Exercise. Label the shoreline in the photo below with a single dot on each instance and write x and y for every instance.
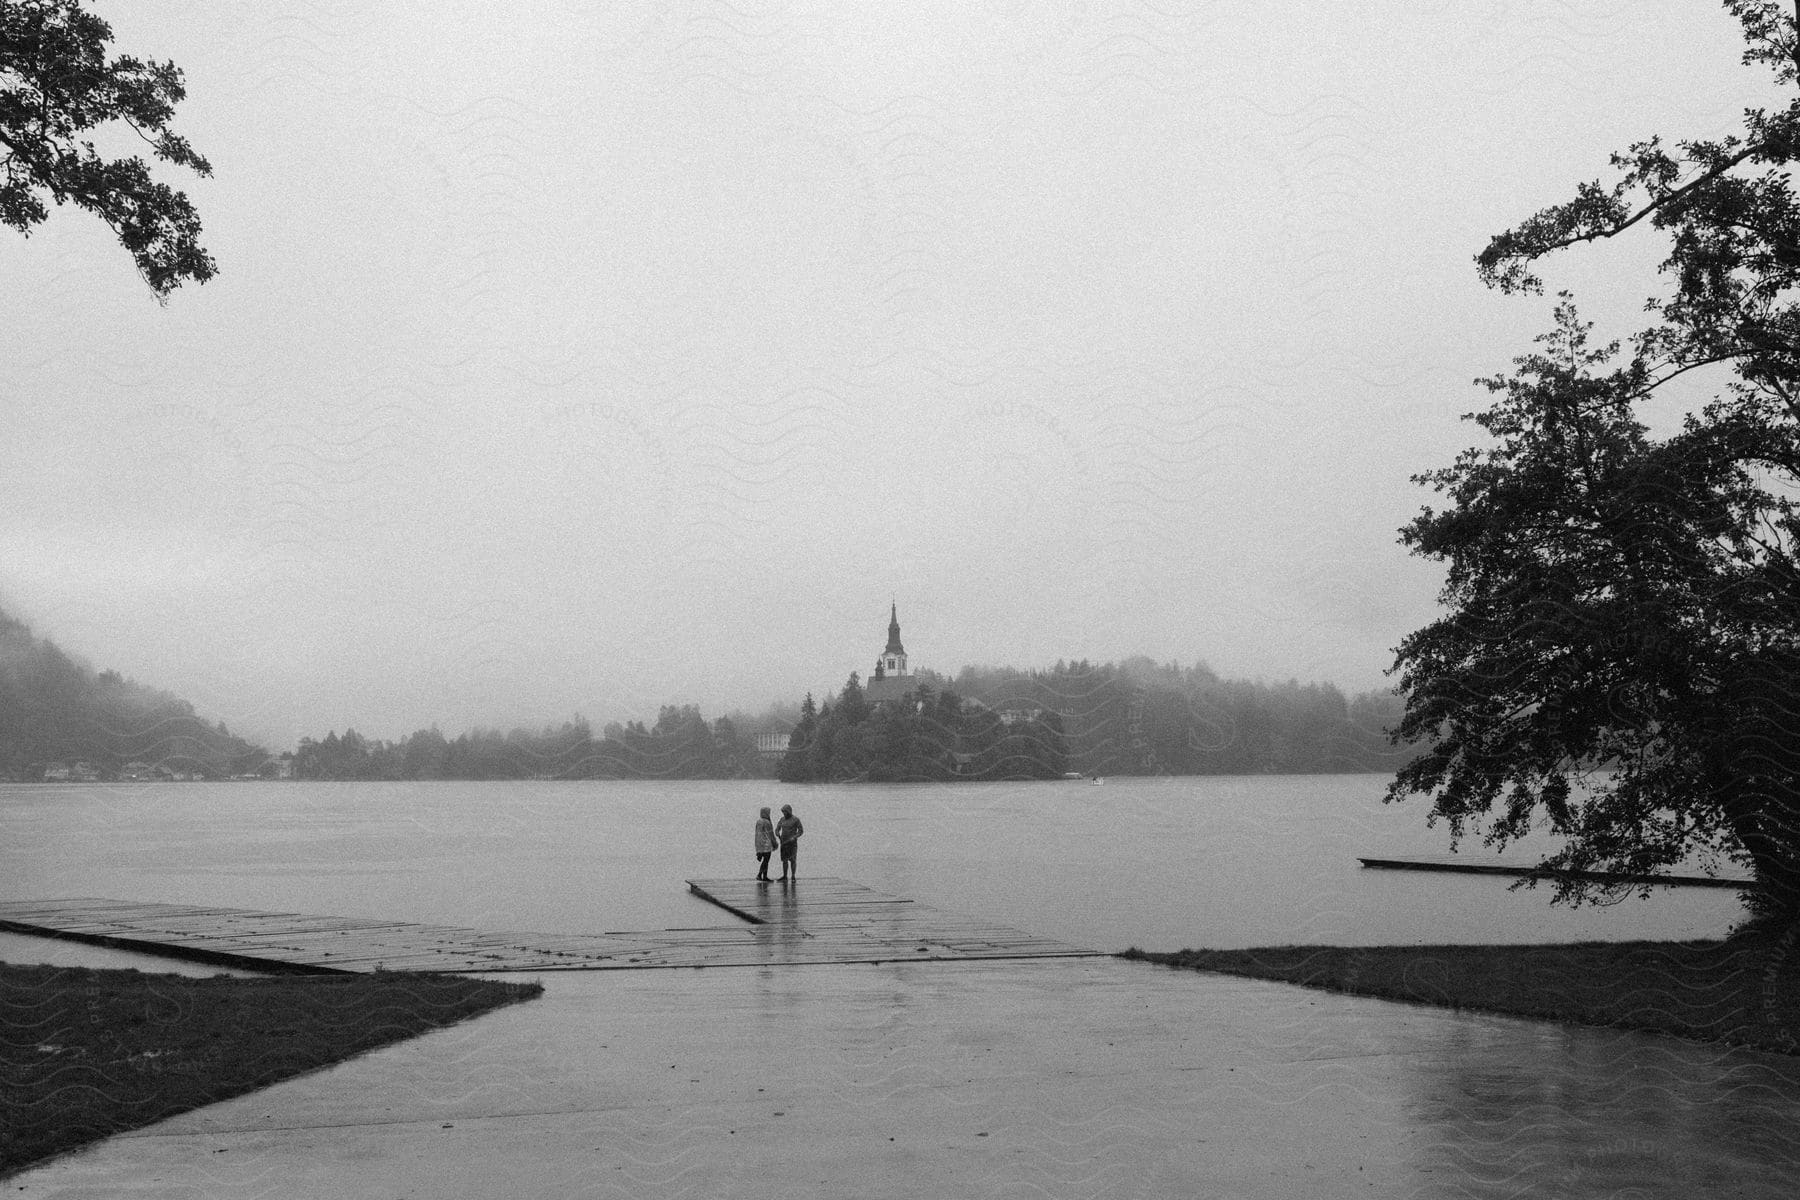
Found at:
(1740, 991)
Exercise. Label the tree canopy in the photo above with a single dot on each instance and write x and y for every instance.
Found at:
(57, 87)
(1621, 644)
(925, 736)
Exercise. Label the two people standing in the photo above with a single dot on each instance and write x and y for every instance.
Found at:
(783, 835)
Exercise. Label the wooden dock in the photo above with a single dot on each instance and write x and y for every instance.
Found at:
(845, 917)
(822, 920)
(1601, 877)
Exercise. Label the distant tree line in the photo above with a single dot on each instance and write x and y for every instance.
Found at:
(924, 736)
(59, 715)
(1129, 718)
(1139, 717)
(1136, 717)
(682, 744)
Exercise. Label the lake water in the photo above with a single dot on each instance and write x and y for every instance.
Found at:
(1162, 863)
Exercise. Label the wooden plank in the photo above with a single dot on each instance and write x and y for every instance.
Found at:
(1604, 877)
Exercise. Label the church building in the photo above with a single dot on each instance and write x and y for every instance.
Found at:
(891, 679)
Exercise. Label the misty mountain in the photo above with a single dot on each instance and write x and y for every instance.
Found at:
(59, 715)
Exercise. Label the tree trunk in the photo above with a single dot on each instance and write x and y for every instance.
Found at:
(1760, 764)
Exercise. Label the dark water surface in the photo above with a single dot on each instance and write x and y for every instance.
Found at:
(1159, 863)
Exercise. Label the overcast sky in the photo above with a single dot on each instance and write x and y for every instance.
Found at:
(584, 357)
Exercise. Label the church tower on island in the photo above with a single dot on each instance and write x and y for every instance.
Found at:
(891, 679)
(893, 659)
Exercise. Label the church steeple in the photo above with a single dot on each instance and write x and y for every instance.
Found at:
(894, 646)
(893, 658)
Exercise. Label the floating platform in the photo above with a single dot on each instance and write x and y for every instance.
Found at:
(1602, 877)
(842, 917)
(822, 920)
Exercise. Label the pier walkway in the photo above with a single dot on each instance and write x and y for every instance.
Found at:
(824, 920)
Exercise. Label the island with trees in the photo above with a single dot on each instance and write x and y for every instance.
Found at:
(921, 736)
(1137, 717)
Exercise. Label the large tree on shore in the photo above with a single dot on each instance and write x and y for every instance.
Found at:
(57, 87)
(1620, 655)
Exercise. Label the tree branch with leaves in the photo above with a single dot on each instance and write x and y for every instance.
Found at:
(57, 86)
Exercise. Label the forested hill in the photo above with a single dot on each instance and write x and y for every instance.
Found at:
(1139, 717)
(61, 718)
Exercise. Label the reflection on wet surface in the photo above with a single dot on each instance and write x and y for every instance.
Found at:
(1600, 1112)
(1054, 1078)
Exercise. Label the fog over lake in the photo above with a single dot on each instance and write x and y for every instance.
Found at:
(589, 357)
(1160, 863)
(584, 384)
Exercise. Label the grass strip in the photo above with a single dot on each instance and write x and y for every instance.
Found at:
(88, 1053)
(1744, 991)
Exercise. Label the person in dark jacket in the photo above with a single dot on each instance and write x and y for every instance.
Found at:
(787, 833)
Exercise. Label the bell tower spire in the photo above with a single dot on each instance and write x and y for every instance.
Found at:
(893, 645)
(893, 657)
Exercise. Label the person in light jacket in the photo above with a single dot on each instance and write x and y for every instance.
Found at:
(765, 845)
(787, 833)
